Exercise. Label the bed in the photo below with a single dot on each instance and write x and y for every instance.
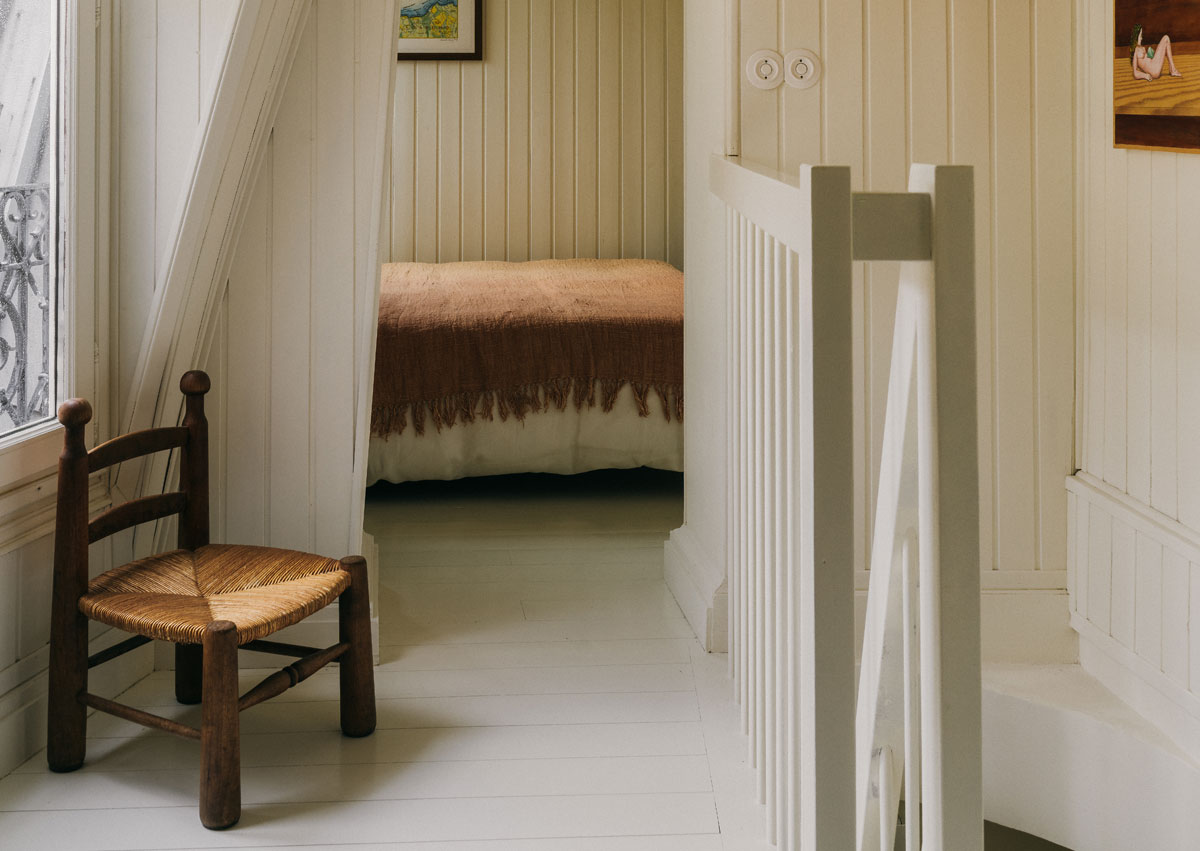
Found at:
(554, 366)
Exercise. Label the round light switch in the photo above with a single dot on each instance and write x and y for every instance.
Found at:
(764, 69)
(802, 69)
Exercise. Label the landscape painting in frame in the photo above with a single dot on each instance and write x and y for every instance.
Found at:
(1156, 74)
(439, 29)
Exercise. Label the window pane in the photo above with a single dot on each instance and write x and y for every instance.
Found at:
(28, 221)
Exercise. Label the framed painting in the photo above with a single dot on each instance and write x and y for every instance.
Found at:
(439, 29)
(1156, 74)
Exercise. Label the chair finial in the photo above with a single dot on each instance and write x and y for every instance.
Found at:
(75, 413)
(195, 383)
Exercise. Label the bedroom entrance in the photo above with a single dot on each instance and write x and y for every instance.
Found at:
(531, 312)
(526, 455)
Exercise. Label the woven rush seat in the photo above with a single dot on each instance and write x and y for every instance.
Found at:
(174, 596)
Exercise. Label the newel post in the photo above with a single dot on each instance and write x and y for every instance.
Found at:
(67, 715)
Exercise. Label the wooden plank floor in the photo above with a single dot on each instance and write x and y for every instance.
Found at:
(539, 689)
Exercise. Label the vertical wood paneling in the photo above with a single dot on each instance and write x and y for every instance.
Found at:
(495, 130)
(1124, 556)
(1054, 310)
(632, 123)
(519, 76)
(566, 141)
(216, 23)
(249, 342)
(138, 56)
(300, 284)
(290, 483)
(654, 130)
(333, 255)
(801, 109)
(1176, 578)
(404, 165)
(608, 122)
(177, 112)
(1100, 581)
(471, 229)
(449, 161)
(1163, 212)
(587, 128)
(1138, 371)
(1148, 600)
(973, 142)
(674, 130)
(1013, 297)
(426, 163)
(1188, 353)
(562, 162)
(542, 50)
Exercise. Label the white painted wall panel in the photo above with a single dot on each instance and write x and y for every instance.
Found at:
(1139, 400)
(168, 56)
(566, 141)
(300, 282)
(986, 100)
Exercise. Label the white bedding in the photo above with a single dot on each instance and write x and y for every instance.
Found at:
(566, 442)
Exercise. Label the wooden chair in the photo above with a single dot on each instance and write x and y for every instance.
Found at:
(208, 599)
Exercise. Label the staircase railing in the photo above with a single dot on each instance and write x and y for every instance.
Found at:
(827, 780)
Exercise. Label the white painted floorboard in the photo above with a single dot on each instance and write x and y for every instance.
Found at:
(538, 689)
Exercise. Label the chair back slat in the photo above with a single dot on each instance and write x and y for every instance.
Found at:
(134, 445)
(134, 512)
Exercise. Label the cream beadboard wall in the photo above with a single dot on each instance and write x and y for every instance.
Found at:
(1135, 504)
(565, 141)
(981, 82)
(288, 339)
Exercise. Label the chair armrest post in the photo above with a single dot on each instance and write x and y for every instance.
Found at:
(193, 469)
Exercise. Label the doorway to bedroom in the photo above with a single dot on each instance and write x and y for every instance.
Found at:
(526, 456)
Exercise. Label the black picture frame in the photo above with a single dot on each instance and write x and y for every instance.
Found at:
(404, 51)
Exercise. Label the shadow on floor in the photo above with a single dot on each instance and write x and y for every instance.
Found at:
(996, 837)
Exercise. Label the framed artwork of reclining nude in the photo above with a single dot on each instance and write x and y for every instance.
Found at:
(439, 29)
(1156, 74)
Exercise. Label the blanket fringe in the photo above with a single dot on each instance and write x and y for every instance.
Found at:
(519, 401)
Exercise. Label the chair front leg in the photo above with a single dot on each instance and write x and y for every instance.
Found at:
(66, 728)
(355, 668)
(220, 738)
(189, 673)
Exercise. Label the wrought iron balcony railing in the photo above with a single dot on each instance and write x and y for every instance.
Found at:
(26, 303)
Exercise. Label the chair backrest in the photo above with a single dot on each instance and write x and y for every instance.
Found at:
(73, 532)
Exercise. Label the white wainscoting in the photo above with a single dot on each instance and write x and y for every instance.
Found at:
(1135, 601)
(565, 141)
(994, 95)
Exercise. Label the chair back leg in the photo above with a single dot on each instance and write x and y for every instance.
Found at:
(220, 746)
(189, 673)
(67, 715)
(355, 671)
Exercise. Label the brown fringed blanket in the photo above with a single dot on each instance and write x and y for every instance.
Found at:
(464, 340)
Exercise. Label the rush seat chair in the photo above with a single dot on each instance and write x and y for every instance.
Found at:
(210, 600)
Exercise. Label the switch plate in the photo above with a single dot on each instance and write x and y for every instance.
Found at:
(802, 69)
(764, 69)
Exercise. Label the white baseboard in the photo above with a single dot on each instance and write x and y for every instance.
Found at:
(1150, 692)
(699, 589)
(23, 707)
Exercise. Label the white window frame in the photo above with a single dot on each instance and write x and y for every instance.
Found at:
(29, 458)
